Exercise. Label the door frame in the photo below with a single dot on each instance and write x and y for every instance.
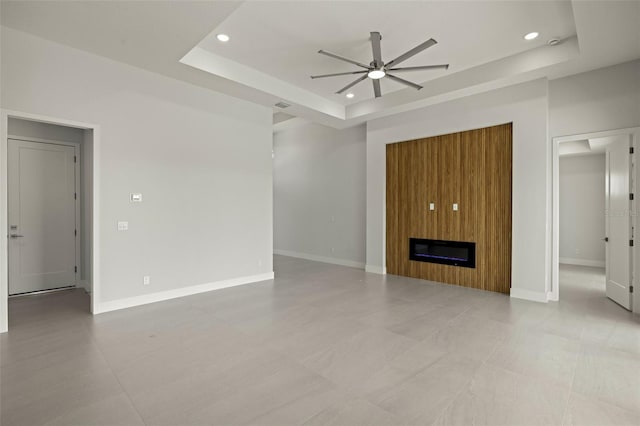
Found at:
(95, 214)
(634, 134)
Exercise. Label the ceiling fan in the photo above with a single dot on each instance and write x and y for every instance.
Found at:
(378, 69)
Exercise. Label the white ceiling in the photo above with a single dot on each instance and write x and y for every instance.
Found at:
(273, 47)
(282, 38)
(590, 146)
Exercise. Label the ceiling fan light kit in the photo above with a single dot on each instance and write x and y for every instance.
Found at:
(376, 74)
(378, 69)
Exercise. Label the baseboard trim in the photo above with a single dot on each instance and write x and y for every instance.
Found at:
(582, 262)
(145, 299)
(332, 260)
(535, 296)
(374, 269)
(85, 284)
(552, 296)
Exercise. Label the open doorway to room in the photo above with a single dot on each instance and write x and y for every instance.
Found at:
(49, 218)
(593, 220)
(582, 220)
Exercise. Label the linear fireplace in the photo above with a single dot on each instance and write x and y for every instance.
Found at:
(457, 253)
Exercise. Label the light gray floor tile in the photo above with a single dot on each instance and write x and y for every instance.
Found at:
(626, 336)
(498, 397)
(610, 376)
(243, 400)
(37, 404)
(422, 398)
(304, 408)
(427, 324)
(351, 361)
(325, 344)
(354, 412)
(538, 355)
(583, 411)
(113, 411)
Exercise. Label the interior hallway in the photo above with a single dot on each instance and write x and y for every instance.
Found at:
(325, 344)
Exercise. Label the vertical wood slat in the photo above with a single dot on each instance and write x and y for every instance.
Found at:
(471, 168)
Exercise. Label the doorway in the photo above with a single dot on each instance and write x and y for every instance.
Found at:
(593, 213)
(48, 205)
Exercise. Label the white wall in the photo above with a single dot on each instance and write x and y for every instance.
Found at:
(595, 101)
(526, 106)
(202, 161)
(319, 193)
(603, 99)
(582, 210)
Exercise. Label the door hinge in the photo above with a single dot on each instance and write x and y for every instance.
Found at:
(630, 289)
(75, 269)
(75, 195)
(630, 150)
(75, 232)
(75, 159)
(631, 243)
(631, 197)
(606, 239)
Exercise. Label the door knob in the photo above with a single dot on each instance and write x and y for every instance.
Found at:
(16, 236)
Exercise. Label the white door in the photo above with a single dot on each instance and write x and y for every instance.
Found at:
(42, 248)
(618, 222)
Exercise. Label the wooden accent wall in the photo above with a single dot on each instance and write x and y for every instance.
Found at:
(471, 168)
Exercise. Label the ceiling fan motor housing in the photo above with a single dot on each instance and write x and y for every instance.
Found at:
(378, 69)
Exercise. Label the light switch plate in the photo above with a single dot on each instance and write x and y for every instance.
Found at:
(123, 226)
(136, 198)
(432, 206)
(455, 207)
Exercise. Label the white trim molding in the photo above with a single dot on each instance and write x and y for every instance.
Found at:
(145, 299)
(323, 259)
(84, 284)
(634, 134)
(534, 296)
(5, 114)
(582, 262)
(375, 269)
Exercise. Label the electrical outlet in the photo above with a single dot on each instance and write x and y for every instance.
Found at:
(123, 226)
(146, 280)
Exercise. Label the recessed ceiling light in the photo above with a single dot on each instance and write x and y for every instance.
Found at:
(376, 74)
(531, 36)
(350, 95)
(223, 38)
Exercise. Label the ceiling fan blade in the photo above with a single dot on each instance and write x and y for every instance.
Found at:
(424, 67)
(419, 48)
(333, 55)
(339, 73)
(350, 85)
(375, 46)
(376, 88)
(403, 81)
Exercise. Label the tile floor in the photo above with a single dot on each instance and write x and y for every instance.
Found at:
(326, 345)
